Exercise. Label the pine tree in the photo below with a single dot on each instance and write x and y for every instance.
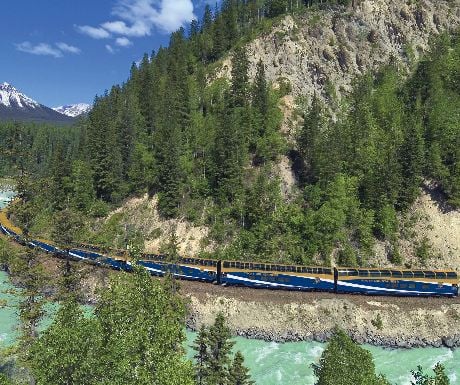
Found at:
(200, 346)
(239, 374)
(31, 312)
(67, 223)
(240, 78)
(81, 181)
(346, 359)
(220, 347)
(260, 91)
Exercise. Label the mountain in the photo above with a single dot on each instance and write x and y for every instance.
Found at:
(14, 105)
(73, 110)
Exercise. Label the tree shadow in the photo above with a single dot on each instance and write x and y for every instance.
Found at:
(437, 194)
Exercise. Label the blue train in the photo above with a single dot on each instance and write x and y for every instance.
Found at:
(389, 282)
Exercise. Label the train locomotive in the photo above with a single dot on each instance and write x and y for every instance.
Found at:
(388, 282)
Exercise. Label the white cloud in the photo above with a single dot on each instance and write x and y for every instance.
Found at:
(137, 18)
(174, 14)
(39, 49)
(123, 42)
(68, 48)
(137, 29)
(94, 32)
(109, 48)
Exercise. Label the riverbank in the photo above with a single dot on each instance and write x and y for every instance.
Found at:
(293, 316)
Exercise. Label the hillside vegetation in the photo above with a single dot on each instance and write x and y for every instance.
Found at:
(198, 127)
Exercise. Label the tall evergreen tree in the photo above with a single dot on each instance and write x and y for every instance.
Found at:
(240, 78)
(239, 374)
(347, 361)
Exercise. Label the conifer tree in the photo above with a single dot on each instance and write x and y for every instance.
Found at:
(201, 356)
(239, 374)
(220, 347)
(240, 78)
(346, 359)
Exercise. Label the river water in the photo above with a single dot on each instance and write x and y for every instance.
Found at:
(274, 363)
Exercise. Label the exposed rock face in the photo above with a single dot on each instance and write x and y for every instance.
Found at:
(371, 320)
(323, 51)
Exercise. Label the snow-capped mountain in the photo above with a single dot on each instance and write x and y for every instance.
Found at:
(11, 97)
(14, 105)
(74, 110)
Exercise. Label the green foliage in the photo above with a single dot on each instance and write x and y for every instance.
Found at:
(344, 362)
(377, 322)
(67, 224)
(423, 251)
(4, 380)
(64, 352)
(134, 337)
(440, 377)
(239, 374)
(213, 362)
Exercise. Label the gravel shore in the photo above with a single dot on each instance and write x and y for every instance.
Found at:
(296, 316)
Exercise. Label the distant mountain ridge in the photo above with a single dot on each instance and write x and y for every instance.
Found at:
(74, 110)
(15, 105)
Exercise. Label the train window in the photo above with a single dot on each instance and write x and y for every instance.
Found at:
(426, 286)
(385, 273)
(419, 274)
(403, 285)
(408, 274)
(440, 275)
(452, 275)
(363, 273)
(226, 264)
(351, 272)
(396, 273)
(429, 274)
(411, 285)
(374, 273)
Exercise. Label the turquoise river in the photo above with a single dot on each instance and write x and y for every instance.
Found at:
(275, 363)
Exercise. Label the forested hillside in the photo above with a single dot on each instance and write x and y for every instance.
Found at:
(207, 147)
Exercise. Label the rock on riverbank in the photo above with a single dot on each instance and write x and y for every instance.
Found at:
(391, 322)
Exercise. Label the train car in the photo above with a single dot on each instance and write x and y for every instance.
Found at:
(44, 246)
(397, 282)
(7, 231)
(194, 269)
(86, 255)
(273, 276)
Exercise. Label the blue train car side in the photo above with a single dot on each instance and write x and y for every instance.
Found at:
(186, 268)
(397, 282)
(271, 276)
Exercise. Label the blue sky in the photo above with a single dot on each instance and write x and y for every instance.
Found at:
(67, 51)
